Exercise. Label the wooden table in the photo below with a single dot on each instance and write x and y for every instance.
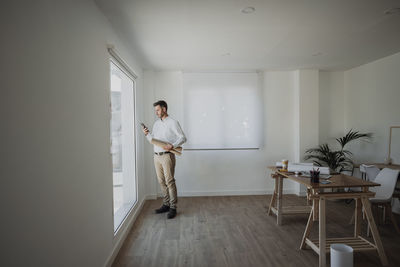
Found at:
(276, 203)
(316, 193)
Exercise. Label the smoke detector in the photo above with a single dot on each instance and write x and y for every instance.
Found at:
(248, 10)
(393, 10)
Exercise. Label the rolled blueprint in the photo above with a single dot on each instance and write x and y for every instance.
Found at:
(175, 150)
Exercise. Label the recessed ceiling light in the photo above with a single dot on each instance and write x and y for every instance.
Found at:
(248, 10)
(392, 11)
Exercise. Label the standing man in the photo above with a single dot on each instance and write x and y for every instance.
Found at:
(168, 130)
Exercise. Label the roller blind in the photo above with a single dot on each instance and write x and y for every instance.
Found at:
(222, 110)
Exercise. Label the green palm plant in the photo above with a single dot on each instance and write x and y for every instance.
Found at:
(338, 160)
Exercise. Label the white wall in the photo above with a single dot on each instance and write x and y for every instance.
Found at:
(240, 172)
(56, 172)
(366, 99)
(306, 115)
(339, 99)
(372, 94)
(331, 106)
(307, 111)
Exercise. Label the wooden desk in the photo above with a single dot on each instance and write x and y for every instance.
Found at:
(276, 203)
(315, 193)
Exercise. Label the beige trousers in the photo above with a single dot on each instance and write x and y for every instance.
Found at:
(165, 169)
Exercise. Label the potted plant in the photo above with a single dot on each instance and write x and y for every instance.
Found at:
(337, 160)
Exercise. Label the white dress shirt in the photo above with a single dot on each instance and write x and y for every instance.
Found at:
(167, 130)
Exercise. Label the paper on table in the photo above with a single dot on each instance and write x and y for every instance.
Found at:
(279, 164)
(293, 167)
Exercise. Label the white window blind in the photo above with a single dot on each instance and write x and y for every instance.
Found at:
(222, 110)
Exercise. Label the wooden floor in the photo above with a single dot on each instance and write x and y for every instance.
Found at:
(236, 231)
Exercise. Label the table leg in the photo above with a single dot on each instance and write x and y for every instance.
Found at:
(308, 229)
(384, 214)
(322, 233)
(357, 218)
(316, 210)
(315, 206)
(273, 198)
(374, 230)
(352, 219)
(389, 209)
(279, 201)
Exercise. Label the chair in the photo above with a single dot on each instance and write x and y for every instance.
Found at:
(368, 173)
(363, 172)
(387, 178)
(371, 172)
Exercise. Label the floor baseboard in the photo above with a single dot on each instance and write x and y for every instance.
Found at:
(229, 193)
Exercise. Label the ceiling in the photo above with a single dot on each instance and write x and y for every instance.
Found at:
(279, 35)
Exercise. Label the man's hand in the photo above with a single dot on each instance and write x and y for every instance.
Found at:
(168, 147)
(145, 131)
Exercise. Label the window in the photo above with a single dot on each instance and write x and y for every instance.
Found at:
(122, 142)
(222, 110)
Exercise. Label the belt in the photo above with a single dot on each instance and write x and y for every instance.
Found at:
(161, 153)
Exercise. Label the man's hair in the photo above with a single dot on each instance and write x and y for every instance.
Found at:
(161, 103)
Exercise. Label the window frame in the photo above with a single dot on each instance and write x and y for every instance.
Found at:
(120, 64)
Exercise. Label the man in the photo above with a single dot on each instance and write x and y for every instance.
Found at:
(168, 130)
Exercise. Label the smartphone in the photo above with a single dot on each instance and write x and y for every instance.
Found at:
(144, 126)
(325, 182)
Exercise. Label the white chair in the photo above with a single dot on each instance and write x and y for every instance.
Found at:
(387, 178)
(371, 172)
(368, 173)
(363, 172)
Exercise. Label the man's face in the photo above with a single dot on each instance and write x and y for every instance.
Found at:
(160, 112)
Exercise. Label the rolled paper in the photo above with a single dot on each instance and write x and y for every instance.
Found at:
(175, 150)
